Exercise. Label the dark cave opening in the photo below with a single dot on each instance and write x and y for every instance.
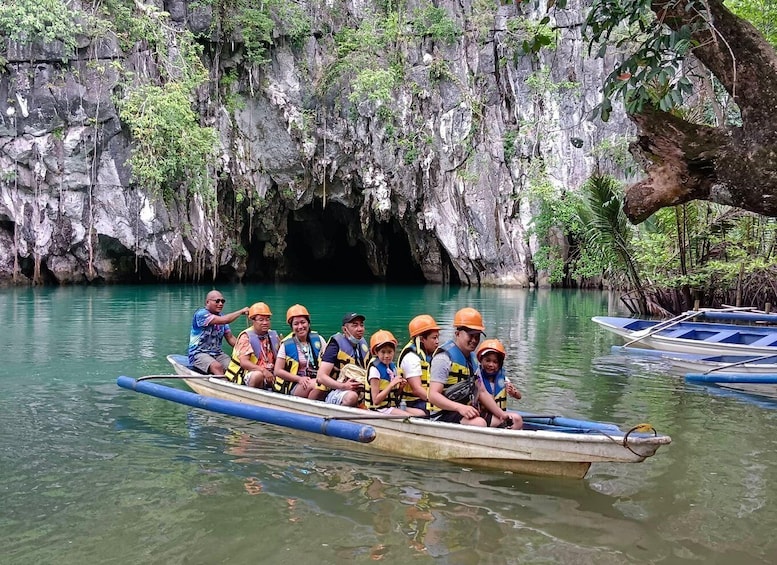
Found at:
(128, 267)
(402, 268)
(322, 247)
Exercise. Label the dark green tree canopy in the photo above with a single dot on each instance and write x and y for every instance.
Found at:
(687, 157)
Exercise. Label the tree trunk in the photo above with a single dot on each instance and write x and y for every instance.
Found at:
(684, 161)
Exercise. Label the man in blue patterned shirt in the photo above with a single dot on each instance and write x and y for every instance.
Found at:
(209, 328)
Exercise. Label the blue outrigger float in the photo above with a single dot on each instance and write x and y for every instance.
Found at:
(548, 445)
(739, 315)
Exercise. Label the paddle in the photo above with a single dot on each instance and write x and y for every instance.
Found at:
(664, 325)
(748, 360)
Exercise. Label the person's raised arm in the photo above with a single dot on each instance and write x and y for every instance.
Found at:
(228, 318)
(513, 391)
(379, 395)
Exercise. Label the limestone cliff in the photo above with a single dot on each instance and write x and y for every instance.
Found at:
(318, 177)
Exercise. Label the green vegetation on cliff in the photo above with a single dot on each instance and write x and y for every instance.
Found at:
(171, 150)
(44, 21)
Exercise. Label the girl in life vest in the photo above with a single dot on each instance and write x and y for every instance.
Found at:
(496, 387)
(384, 393)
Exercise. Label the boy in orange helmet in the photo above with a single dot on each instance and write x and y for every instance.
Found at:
(492, 397)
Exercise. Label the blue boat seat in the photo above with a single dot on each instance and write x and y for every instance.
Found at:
(728, 336)
(749, 338)
(766, 341)
(700, 335)
(678, 333)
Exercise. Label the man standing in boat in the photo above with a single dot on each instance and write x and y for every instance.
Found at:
(343, 348)
(253, 356)
(455, 362)
(209, 328)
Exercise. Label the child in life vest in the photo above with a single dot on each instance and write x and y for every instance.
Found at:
(386, 384)
(496, 387)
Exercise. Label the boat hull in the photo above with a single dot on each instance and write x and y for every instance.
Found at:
(547, 453)
(702, 363)
(744, 373)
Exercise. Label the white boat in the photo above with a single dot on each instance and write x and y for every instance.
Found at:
(549, 445)
(703, 338)
(746, 373)
(701, 363)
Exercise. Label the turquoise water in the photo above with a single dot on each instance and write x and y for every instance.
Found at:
(90, 473)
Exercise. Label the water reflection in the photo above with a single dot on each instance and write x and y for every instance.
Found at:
(460, 516)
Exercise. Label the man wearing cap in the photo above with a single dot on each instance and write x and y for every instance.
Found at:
(209, 328)
(454, 362)
(343, 348)
(253, 356)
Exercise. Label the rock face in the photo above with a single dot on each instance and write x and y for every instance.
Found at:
(432, 184)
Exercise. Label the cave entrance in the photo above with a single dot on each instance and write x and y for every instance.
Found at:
(323, 246)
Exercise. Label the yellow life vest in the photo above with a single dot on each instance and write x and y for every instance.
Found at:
(394, 398)
(414, 346)
(462, 367)
(346, 353)
(235, 371)
(292, 359)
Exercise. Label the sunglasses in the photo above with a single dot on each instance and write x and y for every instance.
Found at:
(470, 333)
(218, 300)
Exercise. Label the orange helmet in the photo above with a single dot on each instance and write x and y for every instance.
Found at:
(422, 324)
(296, 310)
(468, 318)
(381, 337)
(259, 308)
(492, 345)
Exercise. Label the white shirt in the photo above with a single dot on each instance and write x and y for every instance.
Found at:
(411, 365)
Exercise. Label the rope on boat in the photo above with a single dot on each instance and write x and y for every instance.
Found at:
(644, 428)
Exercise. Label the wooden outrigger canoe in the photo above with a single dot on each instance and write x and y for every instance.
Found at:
(548, 445)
